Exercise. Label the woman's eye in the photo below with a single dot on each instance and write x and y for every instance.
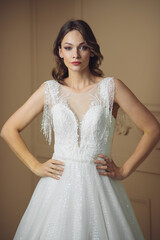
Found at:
(84, 47)
(68, 48)
(81, 48)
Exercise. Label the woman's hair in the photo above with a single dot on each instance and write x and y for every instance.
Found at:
(60, 71)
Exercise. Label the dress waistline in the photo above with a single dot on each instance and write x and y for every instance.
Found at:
(73, 161)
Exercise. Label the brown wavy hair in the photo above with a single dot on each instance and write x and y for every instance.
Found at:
(61, 71)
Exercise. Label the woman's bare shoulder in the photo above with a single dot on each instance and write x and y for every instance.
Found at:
(121, 90)
(118, 81)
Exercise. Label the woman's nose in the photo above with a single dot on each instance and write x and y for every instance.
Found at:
(76, 53)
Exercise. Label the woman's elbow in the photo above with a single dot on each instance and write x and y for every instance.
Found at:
(6, 130)
(155, 131)
(158, 131)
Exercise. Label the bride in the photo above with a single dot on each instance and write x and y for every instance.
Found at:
(78, 58)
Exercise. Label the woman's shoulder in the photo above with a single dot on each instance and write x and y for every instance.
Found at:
(50, 87)
(118, 81)
(121, 86)
(50, 82)
(107, 78)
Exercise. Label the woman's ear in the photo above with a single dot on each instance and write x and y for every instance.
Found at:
(60, 52)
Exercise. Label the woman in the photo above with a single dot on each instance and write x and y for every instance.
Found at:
(80, 105)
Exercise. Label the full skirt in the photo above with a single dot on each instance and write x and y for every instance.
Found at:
(82, 205)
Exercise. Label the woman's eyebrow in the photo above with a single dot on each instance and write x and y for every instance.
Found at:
(72, 44)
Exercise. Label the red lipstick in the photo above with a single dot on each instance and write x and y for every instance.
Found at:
(76, 63)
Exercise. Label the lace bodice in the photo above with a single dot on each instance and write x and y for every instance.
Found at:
(83, 124)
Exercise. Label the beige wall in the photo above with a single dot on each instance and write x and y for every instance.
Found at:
(129, 36)
(15, 78)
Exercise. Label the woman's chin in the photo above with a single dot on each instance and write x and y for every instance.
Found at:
(78, 68)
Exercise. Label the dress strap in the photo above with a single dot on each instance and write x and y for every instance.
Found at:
(107, 91)
(51, 88)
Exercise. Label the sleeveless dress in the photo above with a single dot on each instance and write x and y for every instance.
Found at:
(82, 204)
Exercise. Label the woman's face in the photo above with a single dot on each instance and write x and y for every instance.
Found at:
(74, 51)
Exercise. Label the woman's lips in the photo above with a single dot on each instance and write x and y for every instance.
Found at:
(76, 63)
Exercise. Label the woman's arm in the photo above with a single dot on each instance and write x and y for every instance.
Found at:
(144, 119)
(18, 121)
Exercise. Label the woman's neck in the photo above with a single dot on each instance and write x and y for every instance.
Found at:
(79, 80)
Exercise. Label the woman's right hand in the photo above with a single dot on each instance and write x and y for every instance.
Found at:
(49, 169)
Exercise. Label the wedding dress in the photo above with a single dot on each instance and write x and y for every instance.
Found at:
(82, 205)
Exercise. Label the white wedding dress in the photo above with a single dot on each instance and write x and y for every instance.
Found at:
(82, 205)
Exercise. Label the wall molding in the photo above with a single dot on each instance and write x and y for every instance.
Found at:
(143, 207)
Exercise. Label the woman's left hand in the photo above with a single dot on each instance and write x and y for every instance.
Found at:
(110, 168)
